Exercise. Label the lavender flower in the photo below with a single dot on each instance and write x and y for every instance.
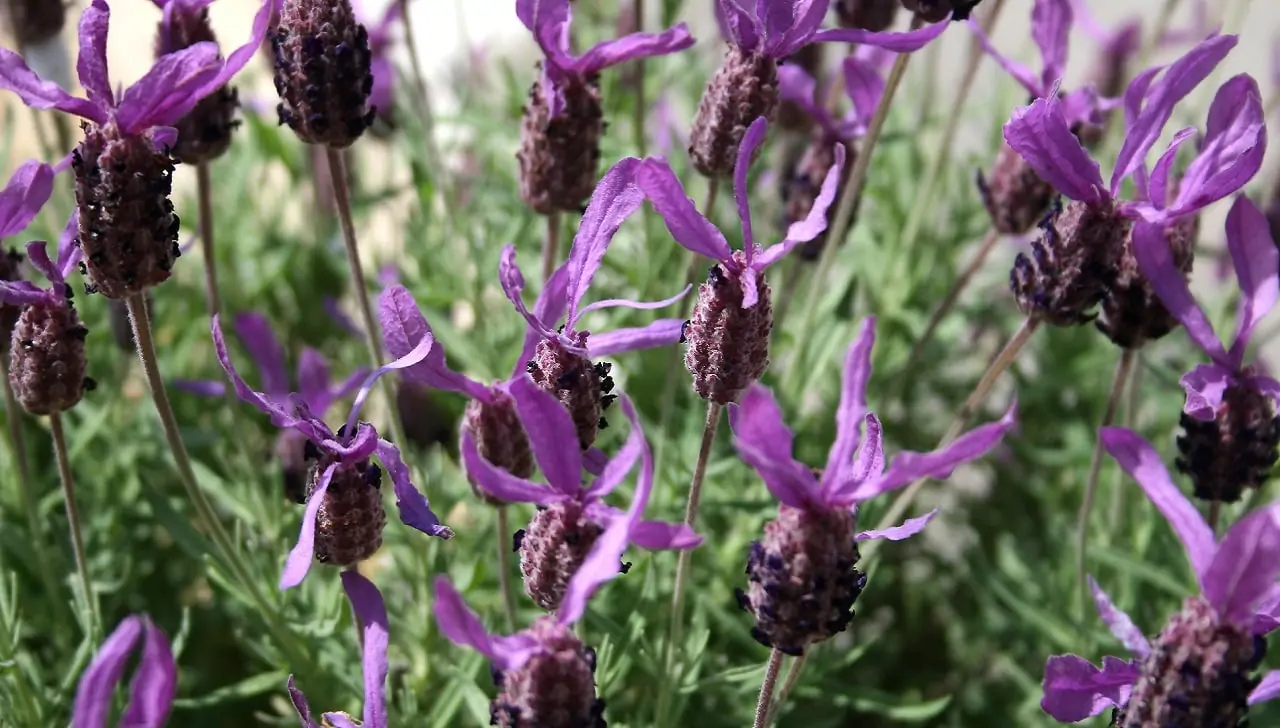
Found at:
(1119, 46)
(803, 583)
(344, 517)
(1074, 262)
(728, 335)
(573, 517)
(316, 389)
(366, 600)
(1199, 670)
(563, 121)
(1229, 419)
(20, 201)
(155, 680)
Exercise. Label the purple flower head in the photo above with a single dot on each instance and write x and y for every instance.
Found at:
(155, 679)
(350, 447)
(173, 86)
(689, 228)
(21, 199)
(366, 600)
(1230, 154)
(24, 293)
(863, 84)
(550, 21)
(778, 28)
(1238, 601)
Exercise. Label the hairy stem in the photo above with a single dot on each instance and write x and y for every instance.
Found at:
(504, 567)
(550, 246)
(766, 688)
(73, 521)
(204, 192)
(789, 684)
(1095, 468)
(949, 301)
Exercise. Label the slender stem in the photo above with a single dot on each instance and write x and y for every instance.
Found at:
(1130, 417)
(684, 560)
(641, 108)
(766, 688)
(949, 301)
(550, 245)
(504, 567)
(1095, 467)
(979, 394)
(789, 684)
(73, 520)
(419, 83)
(1215, 511)
(204, 191)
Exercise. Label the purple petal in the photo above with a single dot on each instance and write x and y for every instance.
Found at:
(279, 416)
(1142, 463)
(339, 720)
(300, 705)
(1040, 134)
(764, 442)
(69, 254)
(549, 20)
(512, 281)
(853, 401)
(1267, 618)
(909, 528)
(897, 42)
(1119, 623)
(40, 94)
(689, 228)
(264, 348)
(313, 379)
(662, 536)
(38, 257)
(744, 30)
(98, 683)
(1245, 566)
(806, 18)
(300, 557)
(499, 483)
(638, 305)
(200, 387)
(1157, 192)
(170, 89)
(662, 332)
(1074, 689)
(552, 435)
(241, 55)
(616, 196)
(616, 469)
(340, 317)
(798, 87)
(1051, 30)
(550, 306)
(1020, 73)
(1268, 688)
(27, 191)
(382, 95)
(154, 682)
(21, 293)
(461, 626)
(631, 47)
(751, 141)
(92, 65)
(1257, 261)
(403, 328)
(368, 606)
(813, 225)
(1162, 96)
(1155, 260)
(864, 85)
(415, 511)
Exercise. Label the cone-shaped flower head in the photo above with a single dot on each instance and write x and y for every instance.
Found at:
(344, 516)
(1199, 670)
(728, 336)
(935, 11)
(33, 22)
(20, 201)
(802, 580)
(323, 71)
(46, 349)
(872, 15)
(563, 121)
(123, 167)
(371, 613)
(315, 388)
(745, 87)
(1229, 419)
(1074, 262)
(545, 675)
(573, 517)
(155, 680)
(562, 361)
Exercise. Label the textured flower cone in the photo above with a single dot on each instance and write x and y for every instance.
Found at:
(350, 520)
(559, 155)
(127, 229)
(425, 422)
(1234, 451)
(204, 133)
(1199, 673)
(933, 11)
(872, 15)
(1015, 196)
(34, 21)
(802, 583)
(554, 689)
(791, 116)
(10, 270)
(47, 359)
(728, 346)
(582, 387)
(1132, 313)
(500, 438)
(551, 550)
(1071, 264)
(323, 75)
(743, 90)
(801, 188)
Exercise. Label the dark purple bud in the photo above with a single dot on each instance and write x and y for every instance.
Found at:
(350, 520)
(872, 15)
(554, 688)
(573, 379)
(1233, 452)
(743, 90)
(323, 72)
(728, 345)
(1072, 264)
(551, 550)
(559, 155)
(46, 357)
(1132, 313)
(204, 134)
(1015, 196)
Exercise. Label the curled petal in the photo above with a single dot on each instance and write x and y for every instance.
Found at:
(403, 328)
(415, 511)
(639, 305)
(92, 64)
(637, 45)
(499, 483)
(662, 332)
(170, 89)
(1268, 688)
(689, 228)
(897, 42)
(69, 254)
(279, 416)
(154, 682)
(1155, 260)
(93, 695)
(1245, 566)
(1257, 263)
(38, 256)
(303, 553)
(40, 94)
(1040, 134)
(616, 196)
(415, 356)
(462, 627)
(909, 528)
(815, 223)
(1119, 623)
(27, 191)
(853, 400)
(367, 602)
(1156, 192)
(266, 351)
(751, 141)
(512, 281)
(1074, 689)
(550, 306)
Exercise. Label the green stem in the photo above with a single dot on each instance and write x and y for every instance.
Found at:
(204, 193)
(1215, 511)
(766, 688)
(74, 526)
(504, 567)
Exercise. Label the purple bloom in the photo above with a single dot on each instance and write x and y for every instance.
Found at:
(863, 84)
(24, 293)
(778, 28)
(155, 680)
(1202, 660)
(366, 600)
(549, 20)
(21, 199)
(689, 228)
(343, 455)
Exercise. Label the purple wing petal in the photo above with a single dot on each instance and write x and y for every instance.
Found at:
(499, 483)
(1257, 263)
(366, 600)
(21, 293)
(751, 141)
(241, 55)
(264, 348)
(300, 557)
(616, 469)
(616, 196)
(279, 416)
(98, 683)
(27, 191)
(1040, 134)
(815, 223)
(552, 435)
(689, 228)
(627, 303)
(314, 380)
(1119, 623)
(661, 536)
(1155, 260)
(853, 401)
(764, 442)
(1267, 618)
(662, 332)
(200, 387)
(300, 705)
(636, 45)
(170, 89)
(154, 682)
(512, 281)
(461, 626)
(1268, 688)
(38, 257)
(1142, 463)
(415, 511)
(1051, 30)
(1246, 565)
(744, 30)
(92, 65)
(897, 42)
(864, 85)
(69, 254)
(403, 328)
(1020, 73)
(40, 94)
(1157, 192)
(806, 18)
(1074, 689)
(550, 306)
(909, 528)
